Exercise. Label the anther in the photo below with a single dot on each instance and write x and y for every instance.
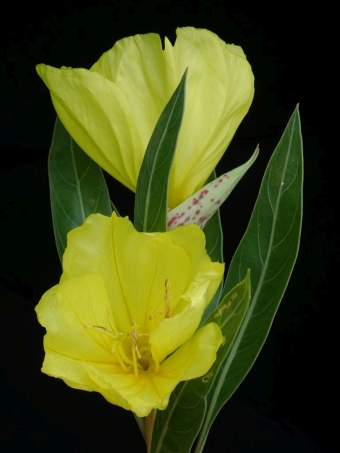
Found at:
(134, 340)
(104, 330)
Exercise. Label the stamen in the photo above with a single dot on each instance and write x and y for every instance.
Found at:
(135, 369)
(104, 330)
(167, 298)
(123, 355)
(121, 363)
(166, 313)
(117, 348)
(134, 340)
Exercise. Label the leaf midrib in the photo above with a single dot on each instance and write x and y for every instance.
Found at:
(152, 170)
(235, 348)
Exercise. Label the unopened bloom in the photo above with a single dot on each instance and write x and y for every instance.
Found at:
(111, 110)
(123, 320)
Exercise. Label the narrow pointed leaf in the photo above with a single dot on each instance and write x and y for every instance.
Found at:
(176, 428)
(203, 204)
(269, 248)
(77, 186)
(214, 245)
(151, 202)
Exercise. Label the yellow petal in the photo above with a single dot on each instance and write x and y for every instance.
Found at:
(196, 356)
(145, 262)
(91, 250)
(220, 89)
(97, 116)
(173, 332)
(135, 266)
(68, 311)
(193, 242)
(142, 71)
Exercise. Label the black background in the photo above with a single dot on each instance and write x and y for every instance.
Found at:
(282, 405)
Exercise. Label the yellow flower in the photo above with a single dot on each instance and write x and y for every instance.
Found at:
(123, 320)
(112, 109)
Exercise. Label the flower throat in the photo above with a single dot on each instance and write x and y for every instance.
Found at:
(132, 350)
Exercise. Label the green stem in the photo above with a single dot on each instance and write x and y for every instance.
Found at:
(149, 422)
(141, 424)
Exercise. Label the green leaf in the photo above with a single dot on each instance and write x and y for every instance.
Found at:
(214, 245)
(151, 202)
(77, 186)
(176, 428)
(269, 248)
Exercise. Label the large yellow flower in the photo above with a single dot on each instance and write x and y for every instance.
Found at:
(123, 320)
(112, 109)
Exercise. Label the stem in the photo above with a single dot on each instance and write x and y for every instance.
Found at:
(140, 423)
(149, 422)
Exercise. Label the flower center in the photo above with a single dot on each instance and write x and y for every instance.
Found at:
(132, 349)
